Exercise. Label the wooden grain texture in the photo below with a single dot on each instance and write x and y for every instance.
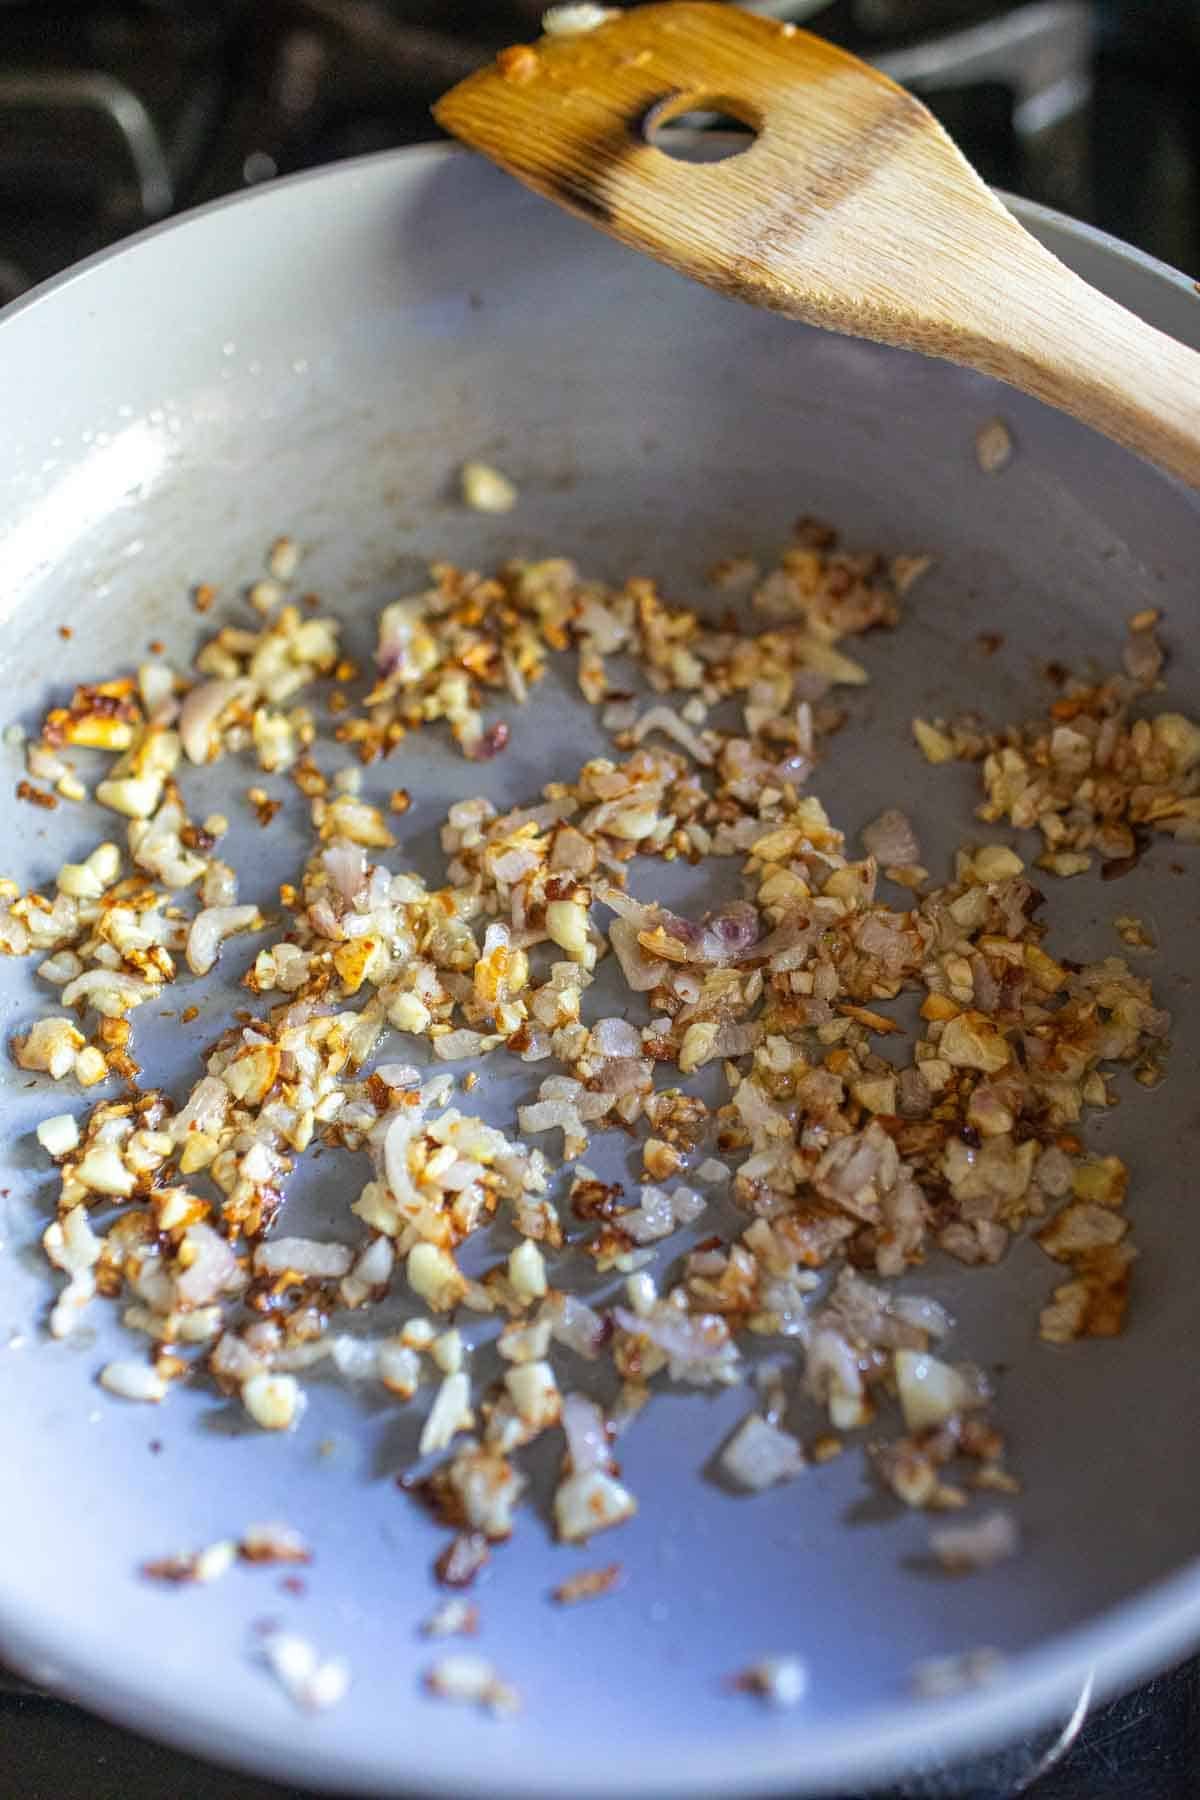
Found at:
(851, 209)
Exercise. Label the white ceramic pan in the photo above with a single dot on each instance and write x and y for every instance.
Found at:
(318, 359)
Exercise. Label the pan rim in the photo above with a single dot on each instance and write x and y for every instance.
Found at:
(1036, 217)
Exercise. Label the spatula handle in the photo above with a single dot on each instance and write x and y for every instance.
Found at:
(1050, 334)
(851, 209)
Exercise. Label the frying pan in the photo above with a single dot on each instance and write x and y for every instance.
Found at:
(318, 359)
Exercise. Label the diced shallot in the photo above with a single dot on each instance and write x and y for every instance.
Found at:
(210, 928)
(891, 840)
(305, 1256)
(963, 1548)
(759, 1454)
(200, 715)
(586, 1434)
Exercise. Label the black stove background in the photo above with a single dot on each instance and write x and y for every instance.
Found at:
(114, 113)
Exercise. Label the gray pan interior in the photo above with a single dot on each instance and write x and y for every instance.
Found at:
(318, 359)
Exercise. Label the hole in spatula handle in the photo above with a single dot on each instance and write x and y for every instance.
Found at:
(698, 127)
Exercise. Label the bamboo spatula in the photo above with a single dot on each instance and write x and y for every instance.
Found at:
(851, 208)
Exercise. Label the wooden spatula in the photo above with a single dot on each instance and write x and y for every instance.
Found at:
(851, 208)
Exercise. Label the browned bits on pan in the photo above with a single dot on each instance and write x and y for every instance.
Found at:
(379, 1092)
(309, 779)
(265, 808)
(608, 1249)
(1094, 1302)
(273, 1544)
(65, 632)
(589, 1584)
(198, 1566)
(872, 1020)
(824, 1448)
(400, 800)
(778, 1680)
(518, 63)
(490, 744)
(188, 1014)
(177, 1570)
(682, 1119)
(195, 837)
(592, 1200)
(35, 796)
(101, 716)
(113, 1037)
(203, 595)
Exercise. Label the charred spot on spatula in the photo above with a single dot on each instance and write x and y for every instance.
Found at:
(582, 194)
(587, 187)
(835, 175)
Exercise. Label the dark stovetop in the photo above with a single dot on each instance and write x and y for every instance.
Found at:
(1144, 1747)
